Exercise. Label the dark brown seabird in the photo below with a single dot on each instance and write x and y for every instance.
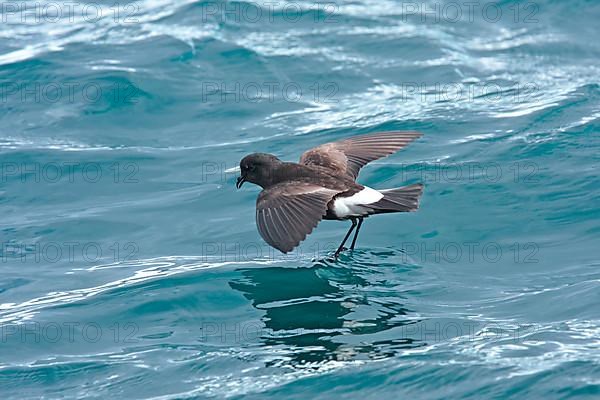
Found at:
(297, 196)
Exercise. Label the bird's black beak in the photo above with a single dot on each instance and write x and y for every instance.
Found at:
(240, 182)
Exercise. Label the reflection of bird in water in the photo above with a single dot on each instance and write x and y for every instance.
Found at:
(322, 313)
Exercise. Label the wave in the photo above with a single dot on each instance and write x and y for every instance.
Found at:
(154, 268)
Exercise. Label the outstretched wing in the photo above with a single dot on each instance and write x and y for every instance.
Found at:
(348, 156)
(287, 212)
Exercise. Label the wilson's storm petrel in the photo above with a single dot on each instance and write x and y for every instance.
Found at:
(296, 196)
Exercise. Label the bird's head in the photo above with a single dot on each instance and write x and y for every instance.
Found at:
(257, 168)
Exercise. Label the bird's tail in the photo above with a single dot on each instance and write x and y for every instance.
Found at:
(403, 199)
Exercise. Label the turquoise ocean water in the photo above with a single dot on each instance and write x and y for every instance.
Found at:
(131, 267)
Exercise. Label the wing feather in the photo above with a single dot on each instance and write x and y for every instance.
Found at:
(348, 156)
(287, 212)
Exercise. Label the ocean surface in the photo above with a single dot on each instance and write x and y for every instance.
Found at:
(131, 267)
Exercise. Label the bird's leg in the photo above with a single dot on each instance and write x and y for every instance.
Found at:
(339, 250)
(360, 221)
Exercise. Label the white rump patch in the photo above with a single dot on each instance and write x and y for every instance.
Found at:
(353, 206)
